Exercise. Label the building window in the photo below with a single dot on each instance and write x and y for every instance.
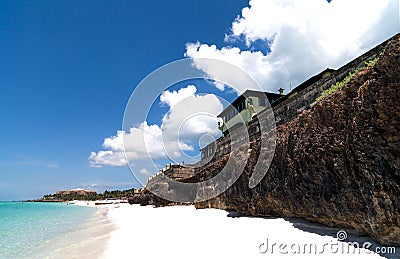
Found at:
(239, 107)
(266, 101)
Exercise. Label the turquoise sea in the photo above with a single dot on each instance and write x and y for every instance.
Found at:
(51, 230)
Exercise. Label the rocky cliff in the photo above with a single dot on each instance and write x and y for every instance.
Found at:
(337, 163)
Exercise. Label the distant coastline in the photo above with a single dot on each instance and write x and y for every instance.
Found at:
(80, 194)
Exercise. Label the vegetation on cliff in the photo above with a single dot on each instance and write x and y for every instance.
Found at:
(346, 80)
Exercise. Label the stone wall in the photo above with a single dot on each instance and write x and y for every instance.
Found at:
(177, 172)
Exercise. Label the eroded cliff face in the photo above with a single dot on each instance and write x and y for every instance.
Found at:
(337, 163)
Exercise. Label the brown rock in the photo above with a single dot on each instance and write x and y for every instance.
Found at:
(338, 163)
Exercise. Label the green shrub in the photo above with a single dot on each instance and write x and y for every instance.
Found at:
(347, 79)
(371, 63)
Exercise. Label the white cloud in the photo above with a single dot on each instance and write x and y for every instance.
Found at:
(189, 117)
(109, 157)
(145, 171)
(304, 37)
(174, 97)
(192, 117)
(254, 63)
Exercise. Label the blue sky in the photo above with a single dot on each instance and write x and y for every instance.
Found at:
(67, 69)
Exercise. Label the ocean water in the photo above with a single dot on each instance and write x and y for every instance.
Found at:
(51, 230)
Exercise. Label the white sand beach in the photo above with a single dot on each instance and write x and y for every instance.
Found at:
(184, 232)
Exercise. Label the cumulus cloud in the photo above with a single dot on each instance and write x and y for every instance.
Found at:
(190, 116)
(108, 157)
(254, 63)
(174, 97)
(144, 171)
(140, 142)
(303, 38)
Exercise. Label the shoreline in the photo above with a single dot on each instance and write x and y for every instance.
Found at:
(53, 230)
(87, 241)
